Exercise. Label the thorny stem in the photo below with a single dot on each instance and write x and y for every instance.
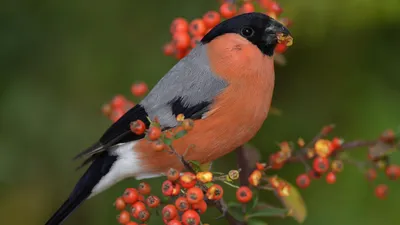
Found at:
(220, 204)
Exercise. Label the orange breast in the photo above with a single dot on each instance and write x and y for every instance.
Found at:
(236, 114)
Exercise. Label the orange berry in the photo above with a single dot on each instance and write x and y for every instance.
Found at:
(321, 164)
(260, 166)
(182, 204)
(187, 180)
(169, 212)
(136, 208)
(116, 114)
(118, 101)
(167, 188)
(138, 127)
(181, 53)
(204, 177)
(247, 7)
(123, 217)
(139, 89)
(336, 143)
(144, 188)
(227, 10)
(179, 25)
(371, 174)
(327, 129)
(381, 191)
(275, 162)
(286, 22)
(255, 178)
(393, 172)
(215, 192)
(130, 196)
(275, 8)
(132, 223)
(187, 124)
(388, 136)
(153, 201)
(330, 178)
(194, 195)
(197, 27)
(195, 41)
(173, 174)
(211, 19)
(169, 49)
(244, 194)
(176, 190)
(303, 180)
(280, 48)
(158, 145)
(181, 40)
(143, 215)
(120, 204)
(190, 217)
(174, 222)
(200, 207)
(154, 133)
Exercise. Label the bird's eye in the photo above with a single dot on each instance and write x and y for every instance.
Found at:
(247, 32)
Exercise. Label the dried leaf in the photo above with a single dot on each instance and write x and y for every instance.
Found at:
(294, 203)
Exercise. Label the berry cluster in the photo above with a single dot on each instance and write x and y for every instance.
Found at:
(187, 34)
(326, 158)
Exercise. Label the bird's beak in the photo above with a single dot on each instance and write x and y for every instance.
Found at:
(284, 37)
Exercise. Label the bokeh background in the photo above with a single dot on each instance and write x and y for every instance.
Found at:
(61, 60)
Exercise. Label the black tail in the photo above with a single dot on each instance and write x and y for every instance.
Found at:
(100, 167)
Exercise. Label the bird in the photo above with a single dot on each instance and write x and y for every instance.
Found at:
(225, 85)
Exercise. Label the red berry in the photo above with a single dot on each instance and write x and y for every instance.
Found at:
(194, 195)
(187, 180)
(118, 101)
(275, 8)
(303, 180)
(174, 222)
(153, 201)
(275, 163)
(169, 49)
(211, 19)
(131, 195)
(169, 212)
(136, 208)
(182, 204)
(190, 217)
(227, 10)
(247, 7)
(244, 194)
(181, 40)
(154, 133)
(388, 136)
(200, 207)
(158, 145)
(336, 143)
(197, 27)
(139, 89)
(393, 172)
(181, 53)
(215, 192)
(381, 191)
(176, 190)
(116, 114)
(138, 127)
(330, 178)
(120, 204)
(280, 48)
(143, 215)
(371, 174)
(179, 25)
(195, 41)
(167, 188)
(123, 217)
(173, 174)
(320, 164)
(314, 174)
(132, 223)
(144, 188)
(260, 166)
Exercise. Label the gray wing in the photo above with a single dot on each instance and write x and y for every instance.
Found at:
(188, 88)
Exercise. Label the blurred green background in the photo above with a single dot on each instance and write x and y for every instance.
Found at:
(61, 60)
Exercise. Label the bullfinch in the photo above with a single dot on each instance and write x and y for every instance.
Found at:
(224, 84)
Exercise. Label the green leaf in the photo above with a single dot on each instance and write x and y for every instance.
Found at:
(180, 134)
(167, 141)
(234, 205)
(235, 209)
(255, 200)
(295, 203)
(268, 212)
(256, 222)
